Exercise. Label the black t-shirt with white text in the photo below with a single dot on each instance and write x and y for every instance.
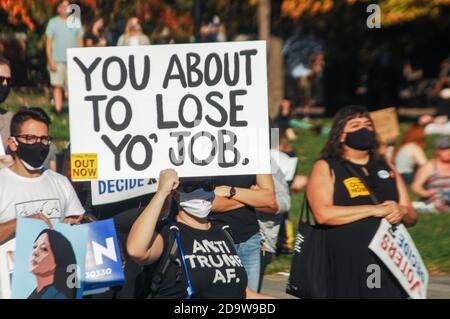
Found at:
(215, 269)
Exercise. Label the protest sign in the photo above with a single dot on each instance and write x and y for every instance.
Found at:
(112, 191)
(6, 268)
(397, 251)
(103, 259)
(198, 108)
(2, 149)
(287, 164)
(60, 251)
(386, 124)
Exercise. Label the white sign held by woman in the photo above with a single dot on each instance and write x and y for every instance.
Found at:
(397, 251)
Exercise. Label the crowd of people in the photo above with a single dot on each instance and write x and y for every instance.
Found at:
(226, 229)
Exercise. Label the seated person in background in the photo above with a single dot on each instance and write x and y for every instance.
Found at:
(283, 118)
(432, 180)
(410, 155)
(440, 124)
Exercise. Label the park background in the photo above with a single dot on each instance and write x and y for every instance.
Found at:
(363, 65)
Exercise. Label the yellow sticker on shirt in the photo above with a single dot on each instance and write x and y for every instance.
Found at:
(355, 187)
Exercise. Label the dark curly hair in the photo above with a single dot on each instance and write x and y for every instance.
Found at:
(25, 114)
(334, 148)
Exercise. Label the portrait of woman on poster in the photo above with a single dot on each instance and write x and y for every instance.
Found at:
(51, 256)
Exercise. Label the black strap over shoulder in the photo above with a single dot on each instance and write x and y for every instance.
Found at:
(150, 279)
(225, 227)
(354, 172)
(305, 210)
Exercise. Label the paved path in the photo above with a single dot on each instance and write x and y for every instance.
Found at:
(438, 287)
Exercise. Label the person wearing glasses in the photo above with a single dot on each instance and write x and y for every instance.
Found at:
(27, 189)
(208, 266)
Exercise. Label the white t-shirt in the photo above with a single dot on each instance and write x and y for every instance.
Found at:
(50, 194)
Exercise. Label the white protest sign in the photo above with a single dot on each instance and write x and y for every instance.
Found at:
(287, 164)
(6, 268)
(397, 251)
(112, 191)
(198, 108)
(2, 149)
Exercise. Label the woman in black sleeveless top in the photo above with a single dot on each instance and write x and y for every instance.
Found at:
(341, 201)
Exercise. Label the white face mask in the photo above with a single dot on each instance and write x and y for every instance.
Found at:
(32, 168)
(197, 203)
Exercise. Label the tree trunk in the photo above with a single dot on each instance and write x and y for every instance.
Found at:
(276, 75)
(275, 59)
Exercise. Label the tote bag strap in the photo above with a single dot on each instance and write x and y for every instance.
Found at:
(305, 210)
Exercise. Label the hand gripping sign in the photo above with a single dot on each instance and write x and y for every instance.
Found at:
(199, 108)
(396, 249)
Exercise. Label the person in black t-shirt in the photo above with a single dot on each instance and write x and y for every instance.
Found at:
(210, 265)
(341, 193)
(95, 36)
(236, 199)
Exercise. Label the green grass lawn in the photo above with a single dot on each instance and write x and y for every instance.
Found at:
(431, 235)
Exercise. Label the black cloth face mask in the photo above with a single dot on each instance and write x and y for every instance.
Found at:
(32, 155)
(4, 92)
(361, 140)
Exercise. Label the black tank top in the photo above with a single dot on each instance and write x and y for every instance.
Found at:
(348, 244)
(242, 221)
(348, 189)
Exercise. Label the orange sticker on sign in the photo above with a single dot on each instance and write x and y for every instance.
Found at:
(355, 187)
(83, 166)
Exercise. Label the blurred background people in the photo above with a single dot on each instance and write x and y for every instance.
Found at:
(133, 34)
(432, 180)
(409, 155)
(59, 38)
(95, 36)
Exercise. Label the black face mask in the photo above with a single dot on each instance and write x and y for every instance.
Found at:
(32, 154)
(4, 92)
(361, 140)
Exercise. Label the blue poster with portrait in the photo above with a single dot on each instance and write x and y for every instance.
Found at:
(103, 259)
(49, 263)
